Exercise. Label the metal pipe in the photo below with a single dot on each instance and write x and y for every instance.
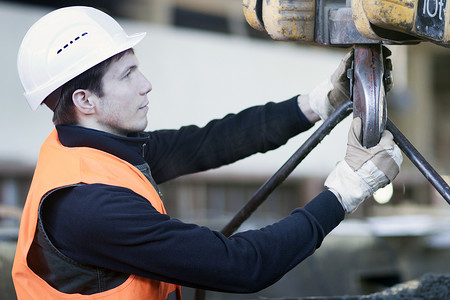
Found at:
(419, 161)
(335, 118)
(263, 192)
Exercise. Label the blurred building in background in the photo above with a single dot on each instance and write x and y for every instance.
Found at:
(204, 61)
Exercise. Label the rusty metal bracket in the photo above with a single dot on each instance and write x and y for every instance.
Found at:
(369, 99)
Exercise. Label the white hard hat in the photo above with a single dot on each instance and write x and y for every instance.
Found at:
(65, 43)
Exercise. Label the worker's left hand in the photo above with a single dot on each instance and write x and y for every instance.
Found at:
(333, 91)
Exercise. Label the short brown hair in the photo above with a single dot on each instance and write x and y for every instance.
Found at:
(64, 113)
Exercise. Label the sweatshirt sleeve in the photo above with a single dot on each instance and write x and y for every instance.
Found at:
(192, 149)
(119, 230)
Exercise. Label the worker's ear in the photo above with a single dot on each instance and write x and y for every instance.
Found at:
(84, 101)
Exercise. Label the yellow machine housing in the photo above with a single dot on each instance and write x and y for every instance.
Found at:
(342, 23)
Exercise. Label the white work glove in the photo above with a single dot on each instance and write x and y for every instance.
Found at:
(333, 91)
(364, 170)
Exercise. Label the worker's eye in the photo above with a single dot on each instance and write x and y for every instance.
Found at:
(127, 74)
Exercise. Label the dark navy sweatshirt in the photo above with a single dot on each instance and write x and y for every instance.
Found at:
(114, 228)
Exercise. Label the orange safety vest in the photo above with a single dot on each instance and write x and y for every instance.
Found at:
(60, 166)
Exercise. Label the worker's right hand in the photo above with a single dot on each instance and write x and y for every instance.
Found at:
(364, 170)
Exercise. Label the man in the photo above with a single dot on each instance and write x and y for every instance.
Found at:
(94, 225)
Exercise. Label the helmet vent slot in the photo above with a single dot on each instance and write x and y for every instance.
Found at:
(71, 42)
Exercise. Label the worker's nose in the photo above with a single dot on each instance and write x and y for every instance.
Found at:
(146, 85)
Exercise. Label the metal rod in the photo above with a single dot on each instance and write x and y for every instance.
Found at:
(263, 192)
(419, 161)
(341, 113)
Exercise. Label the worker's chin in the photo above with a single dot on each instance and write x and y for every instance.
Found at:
(130, 130)
(140, 127)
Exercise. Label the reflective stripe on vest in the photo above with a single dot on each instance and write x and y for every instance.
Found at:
(60, 166)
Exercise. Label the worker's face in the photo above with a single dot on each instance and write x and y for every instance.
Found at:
(124, 105)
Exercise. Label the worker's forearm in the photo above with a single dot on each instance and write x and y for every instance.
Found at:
(259, 258)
